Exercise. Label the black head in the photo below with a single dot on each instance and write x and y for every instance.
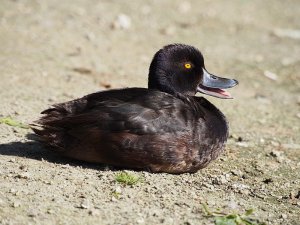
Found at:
(179, 68)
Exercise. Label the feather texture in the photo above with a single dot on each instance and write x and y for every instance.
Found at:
(127, 128)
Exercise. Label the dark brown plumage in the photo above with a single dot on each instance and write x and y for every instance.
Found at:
(163, 129)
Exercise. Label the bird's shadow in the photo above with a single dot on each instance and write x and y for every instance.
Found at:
(33, 149)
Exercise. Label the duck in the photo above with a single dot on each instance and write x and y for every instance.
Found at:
(164, 128)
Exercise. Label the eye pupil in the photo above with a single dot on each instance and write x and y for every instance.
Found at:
(187, 66)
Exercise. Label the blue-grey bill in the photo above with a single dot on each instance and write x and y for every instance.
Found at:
(214, 85)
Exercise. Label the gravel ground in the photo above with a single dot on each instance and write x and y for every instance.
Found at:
(53, 51)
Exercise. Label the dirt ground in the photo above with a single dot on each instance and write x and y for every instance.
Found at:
(53, 51)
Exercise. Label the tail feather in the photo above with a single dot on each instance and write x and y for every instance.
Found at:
(49, 131)
(51, 136)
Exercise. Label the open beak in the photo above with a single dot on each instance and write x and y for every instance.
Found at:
(214, 86)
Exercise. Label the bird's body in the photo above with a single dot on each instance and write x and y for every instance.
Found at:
(152, 129)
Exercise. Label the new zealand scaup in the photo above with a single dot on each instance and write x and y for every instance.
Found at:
(164, 128)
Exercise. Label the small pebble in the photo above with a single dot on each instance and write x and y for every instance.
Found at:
(234, 136)
(90, 36)
(114, 199)
(105, 84)
(48, 182)
(65, 166)
(50, 211)
(245, 192)
(236, 172)
(16, 204)
(227, 176)
(287, 33)
(140, 220)
(220, 180)
(12, 160)
(262, 141)
(122, 22)
(12, 190)
(275, 153)
(118, 190)
(270, 75)
(85, 204)
(283, 216)
(242, 144)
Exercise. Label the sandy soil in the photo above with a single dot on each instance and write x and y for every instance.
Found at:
(53, 51)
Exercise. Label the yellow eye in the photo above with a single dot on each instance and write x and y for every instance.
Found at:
(187, 65)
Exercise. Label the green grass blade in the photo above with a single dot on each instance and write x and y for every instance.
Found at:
(11, 122)
(127, 179)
